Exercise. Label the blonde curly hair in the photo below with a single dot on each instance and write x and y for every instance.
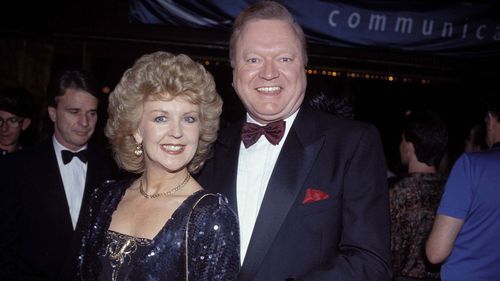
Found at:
(161, 75)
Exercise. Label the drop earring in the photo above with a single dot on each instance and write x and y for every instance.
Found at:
(138, 150)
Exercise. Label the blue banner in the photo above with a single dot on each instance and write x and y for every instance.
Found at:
(471, 29)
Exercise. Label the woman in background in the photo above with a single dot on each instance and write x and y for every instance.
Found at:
(415, 195)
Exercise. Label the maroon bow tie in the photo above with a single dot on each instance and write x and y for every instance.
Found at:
(274, 132)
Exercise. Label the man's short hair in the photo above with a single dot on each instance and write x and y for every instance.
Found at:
(75, 79)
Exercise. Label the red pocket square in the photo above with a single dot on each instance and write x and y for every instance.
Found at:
(313, 195)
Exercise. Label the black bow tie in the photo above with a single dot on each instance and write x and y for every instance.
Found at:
(67, 156)
(274, 132)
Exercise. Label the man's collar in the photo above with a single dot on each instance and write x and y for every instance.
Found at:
(288, 120)
(59, 147)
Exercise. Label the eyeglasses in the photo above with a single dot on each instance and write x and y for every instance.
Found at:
(12, 122)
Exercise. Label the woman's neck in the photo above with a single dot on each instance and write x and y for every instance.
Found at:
(419, 167)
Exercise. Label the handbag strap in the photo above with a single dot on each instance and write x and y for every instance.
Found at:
(186, 253)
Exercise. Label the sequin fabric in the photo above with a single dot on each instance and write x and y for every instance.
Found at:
(414, 199)
(213, 240)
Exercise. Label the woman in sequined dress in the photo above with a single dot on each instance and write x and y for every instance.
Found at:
(163, 118)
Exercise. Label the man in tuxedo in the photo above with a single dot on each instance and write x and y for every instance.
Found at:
(311, 194)
(46, 187)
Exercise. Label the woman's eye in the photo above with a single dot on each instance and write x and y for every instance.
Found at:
(160, 119)
(190, 119)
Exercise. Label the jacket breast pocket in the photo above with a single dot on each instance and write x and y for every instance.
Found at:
(329, 205)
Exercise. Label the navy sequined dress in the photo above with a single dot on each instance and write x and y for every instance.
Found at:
(213, 242)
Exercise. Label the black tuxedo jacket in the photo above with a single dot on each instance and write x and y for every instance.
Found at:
(38, 240)
(345, 237)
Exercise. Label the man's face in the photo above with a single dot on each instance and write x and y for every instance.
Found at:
(11, 128)
(269, 75)
(74, 118)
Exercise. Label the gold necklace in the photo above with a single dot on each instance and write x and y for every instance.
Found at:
(166, 193)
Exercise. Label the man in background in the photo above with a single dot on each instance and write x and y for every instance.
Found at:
(15, 112)
(465, 232)
(46, 187)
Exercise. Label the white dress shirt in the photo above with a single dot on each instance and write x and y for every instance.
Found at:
(255, 166)
(73, 177)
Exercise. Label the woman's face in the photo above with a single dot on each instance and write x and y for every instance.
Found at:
(169, 132)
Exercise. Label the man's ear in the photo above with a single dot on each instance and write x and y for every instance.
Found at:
(52, 113)
(26, 123)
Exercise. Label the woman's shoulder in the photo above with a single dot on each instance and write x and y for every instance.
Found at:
(110, 189)
(211, 206)
(114, 185)
(205, 199)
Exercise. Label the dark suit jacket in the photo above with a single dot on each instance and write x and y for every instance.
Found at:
(38, 241)
(345, 237)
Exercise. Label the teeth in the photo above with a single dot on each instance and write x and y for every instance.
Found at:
(268, 89)
(173, 147)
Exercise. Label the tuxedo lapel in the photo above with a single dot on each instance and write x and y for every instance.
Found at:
(93, 170)
(296, 158)
(227, 169)
(55, 196)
